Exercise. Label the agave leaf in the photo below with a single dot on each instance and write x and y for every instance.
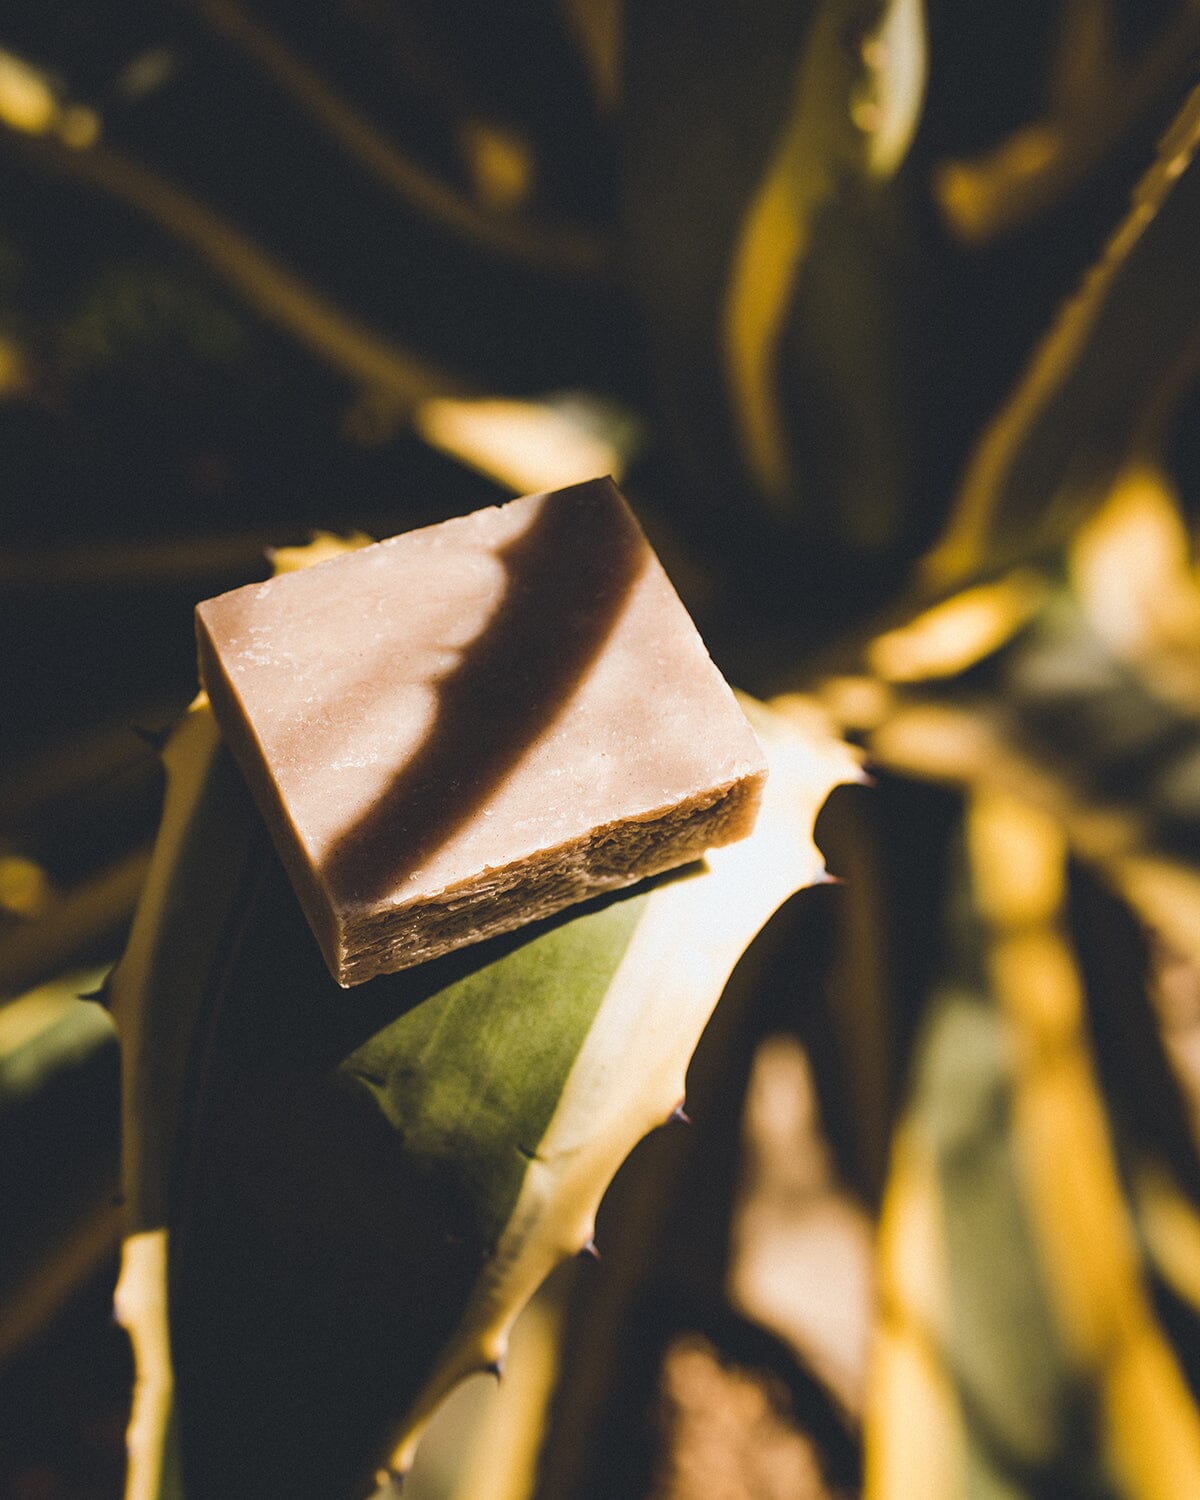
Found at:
(857, 99)
(156, 993)
(619, 1061)
(1100, 388)
(1027, 1357)
(1095, 97)
(364, 1190)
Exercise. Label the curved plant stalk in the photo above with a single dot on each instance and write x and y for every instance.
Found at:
(95, 910)
(526, 445)
(177, 924)
(1092, 399)
(1094, 101)
(503, 1089)
(378, 364)
(156, 993)
(562, 250)
(1148, 1421)
(140, 1306)
(915, 1436)
(857, 100)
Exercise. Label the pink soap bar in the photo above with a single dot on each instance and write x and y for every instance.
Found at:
(471, 726)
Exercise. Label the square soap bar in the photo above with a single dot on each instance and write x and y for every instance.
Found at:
(473, 725)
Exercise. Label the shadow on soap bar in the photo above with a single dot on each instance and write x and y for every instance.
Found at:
(568, 576)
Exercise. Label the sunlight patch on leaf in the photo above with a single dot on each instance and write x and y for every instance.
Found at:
(801, 1247)
(323, 545)
(1171, 1228)
(952, 636)
(529, 446)
(1131, 565)
(887, 103)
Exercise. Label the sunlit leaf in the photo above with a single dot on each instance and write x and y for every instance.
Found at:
(1132, 568)
(1095, 97)
(857, 98)
(367, 1190)
(1019, 1353)
(1140, 1406)
(1099, 387)
(952, 636)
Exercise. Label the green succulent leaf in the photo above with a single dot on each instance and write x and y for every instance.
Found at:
(362, 1191)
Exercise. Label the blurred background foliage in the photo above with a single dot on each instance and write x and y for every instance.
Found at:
(887, 316)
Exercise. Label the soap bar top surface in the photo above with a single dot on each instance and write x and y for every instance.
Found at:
(418, 716)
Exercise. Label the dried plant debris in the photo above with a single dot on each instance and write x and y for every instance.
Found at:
(728, 1433)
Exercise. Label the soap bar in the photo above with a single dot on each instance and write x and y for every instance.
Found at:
(474, 725)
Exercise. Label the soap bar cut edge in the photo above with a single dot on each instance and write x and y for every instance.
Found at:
(360, 946)
(552, 880)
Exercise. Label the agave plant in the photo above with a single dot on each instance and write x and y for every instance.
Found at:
(407, 1169)
(888, 312)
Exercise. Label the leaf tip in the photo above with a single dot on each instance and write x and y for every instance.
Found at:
(101, 995)
(155, 738)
